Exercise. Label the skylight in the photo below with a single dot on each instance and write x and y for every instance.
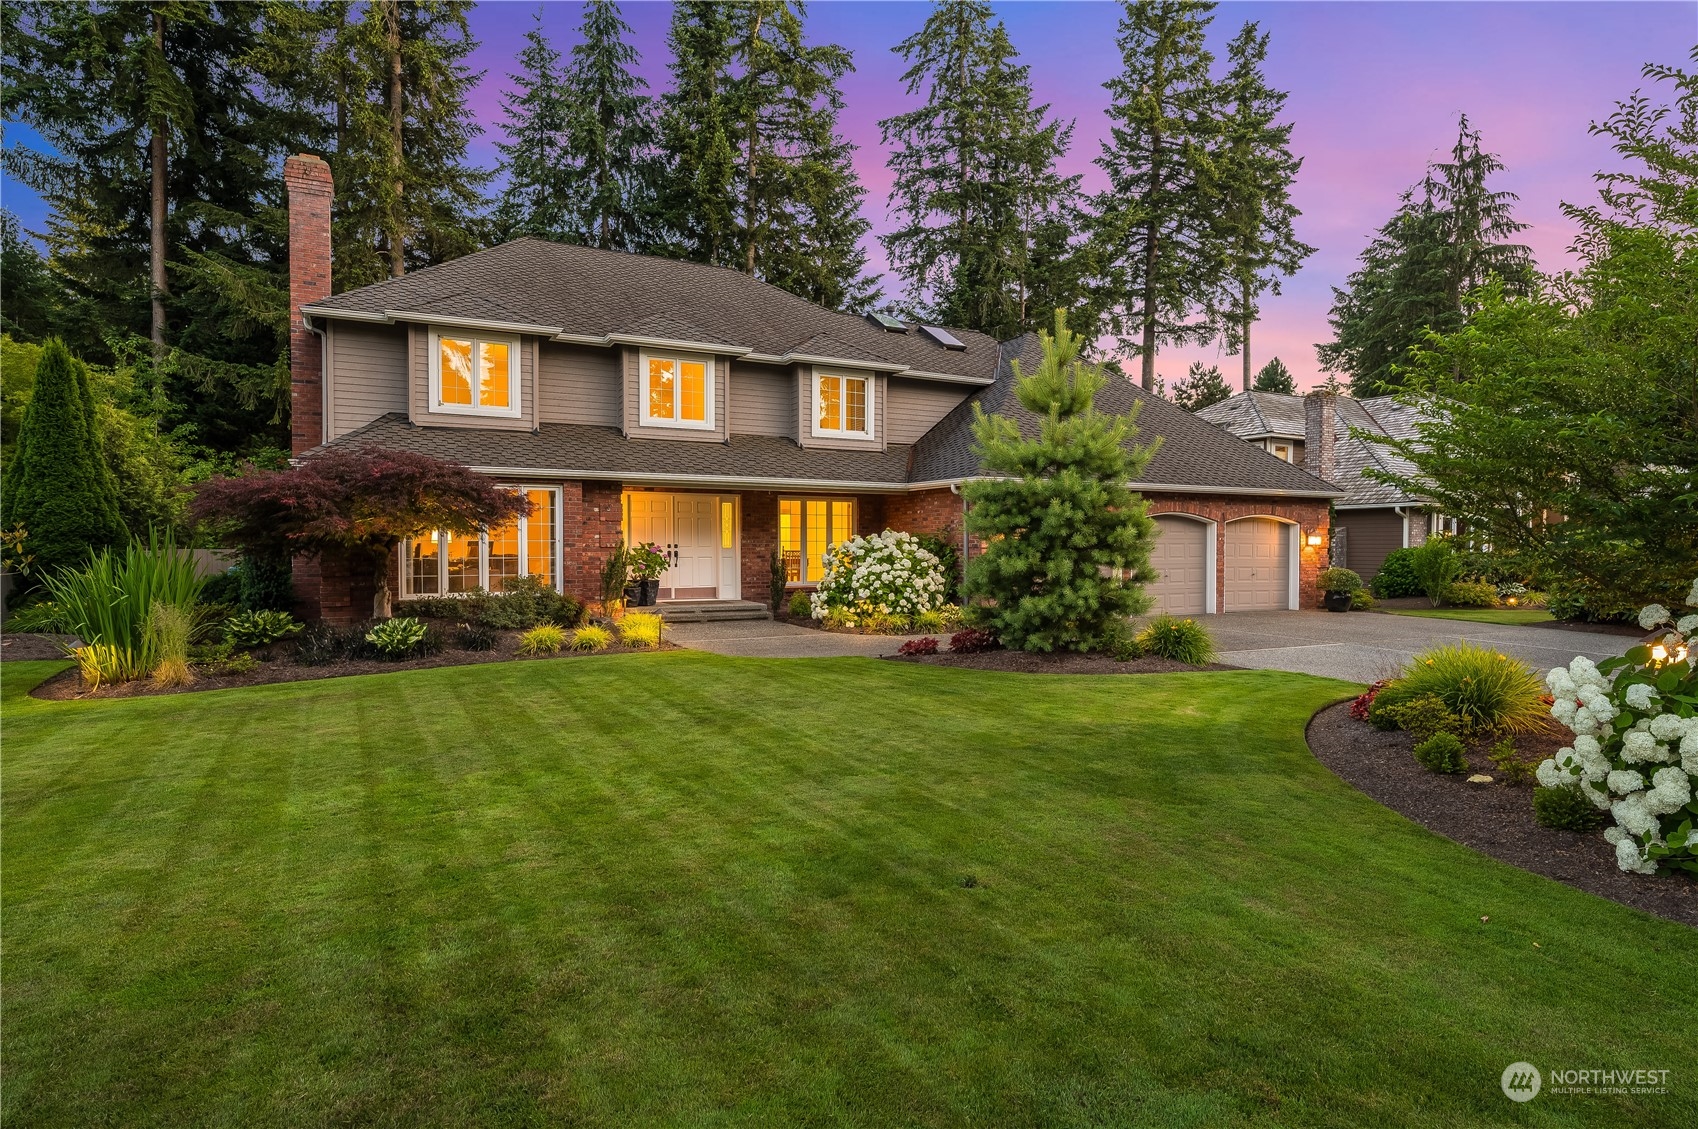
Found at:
(943, 337)
(885, 321)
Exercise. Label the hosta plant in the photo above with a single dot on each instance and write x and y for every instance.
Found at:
(886, 574)
(397, 638)
(1635, 751)
(260, 628)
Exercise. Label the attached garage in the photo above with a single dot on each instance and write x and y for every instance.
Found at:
(1180, 558)
(1258, 575)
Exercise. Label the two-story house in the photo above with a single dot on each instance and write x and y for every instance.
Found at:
(640, 399)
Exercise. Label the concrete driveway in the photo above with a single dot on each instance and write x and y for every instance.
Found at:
(1363, 646)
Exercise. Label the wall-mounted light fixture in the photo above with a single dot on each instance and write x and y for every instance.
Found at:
(1314, 538)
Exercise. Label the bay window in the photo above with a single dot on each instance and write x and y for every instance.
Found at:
(843, 405)
(676, 390)
(444, 563)
(474, 374)
(807, 528)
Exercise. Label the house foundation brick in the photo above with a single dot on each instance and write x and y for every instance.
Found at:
(760, 541)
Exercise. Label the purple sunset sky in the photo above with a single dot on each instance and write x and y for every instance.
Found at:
(1375, 93)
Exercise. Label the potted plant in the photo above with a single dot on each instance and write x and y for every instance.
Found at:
(646, 562)
(1340, 586)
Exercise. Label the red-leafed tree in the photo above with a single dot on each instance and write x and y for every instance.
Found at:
(360, 503)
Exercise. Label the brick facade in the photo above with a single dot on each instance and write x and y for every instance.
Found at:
(592, 517)
(310, 189)
(760, 541)
(1310, 514)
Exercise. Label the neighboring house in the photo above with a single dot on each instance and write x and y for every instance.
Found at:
(639, 399)
(1372, 517)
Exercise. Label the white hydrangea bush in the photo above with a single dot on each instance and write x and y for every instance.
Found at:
(887, 573)
(1635, 751)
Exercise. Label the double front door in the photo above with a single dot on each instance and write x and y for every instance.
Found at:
(687, 529)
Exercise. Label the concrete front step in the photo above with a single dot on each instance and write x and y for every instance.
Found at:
(711, 611)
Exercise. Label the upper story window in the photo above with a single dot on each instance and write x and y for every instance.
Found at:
(843, 405)
(1282, 451)
(474, 374)
(676, 390)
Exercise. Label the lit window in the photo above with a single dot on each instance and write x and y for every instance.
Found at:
(843, 404)
(727, 525)
(677, 391)
(456, 563)
(474, 375)
(807, 529)
(1282, 451)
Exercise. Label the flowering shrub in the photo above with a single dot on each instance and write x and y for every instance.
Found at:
(972, 640)
(1471, 594)
(885, 574)
(925, 645)
(1635, 751)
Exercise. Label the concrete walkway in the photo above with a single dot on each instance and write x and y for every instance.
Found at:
(1357, 647)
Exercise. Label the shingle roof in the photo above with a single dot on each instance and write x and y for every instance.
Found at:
(1258, 415)
(1193, 453)
(583, 291)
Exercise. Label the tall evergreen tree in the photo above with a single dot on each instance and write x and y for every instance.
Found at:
(537, 197)
(610, 134)
(1202, 386)
(1275, 377)
(58, 486)
(33, 299)
(1254, 173)
(1446, 240)
(1155, 229)
(984, 214)
(697, 202)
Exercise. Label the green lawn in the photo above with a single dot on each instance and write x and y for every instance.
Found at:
(675, 889)
(1482, 615)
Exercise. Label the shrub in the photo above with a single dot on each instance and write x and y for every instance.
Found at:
(260, 628)
(1380, 708)
(930, 621)
(1565, 808)
(38, 615)
(614, 571)
(398, 638)
(109, 600)
(972, 640)
(168, 628)
(1488, 690)
(801, 606)
(266, 582)
(953, 616)
(220, 658)
(223, 587)
(885, 574)
(883, 623)
(1442, 752)
(838, 619)
(1471, 594)
(1361, 601)
(592, 638)
(475, 637)
(1359, 708)
(946, 547)
(1177, 640)
(322, 644)
(544, 639)
(641, 629)
(1122, 644)
(925, 645)
(777, 577)
(1338, 580)
(206, 621)
(526, 601)
(1436, 568)
(1508, 761)
(1423, 716)
(1396, 578)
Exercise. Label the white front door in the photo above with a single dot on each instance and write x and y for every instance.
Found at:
(694, 574)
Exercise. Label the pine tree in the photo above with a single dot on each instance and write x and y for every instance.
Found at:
(58, 486)
(697, 199)
(1157, 238)
(1201, 387)
(1059, 524)
(984, 215)
(34, 297)
(1417, 273)
(536, 199)
(1275, 377)
(610, 135)
(1254, 172)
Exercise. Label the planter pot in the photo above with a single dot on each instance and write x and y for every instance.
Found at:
(650, 589)
(1338, 601)
(634, 594)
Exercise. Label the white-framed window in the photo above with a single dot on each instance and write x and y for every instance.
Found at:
(807, 528)
(1282, 450)
(843, 404)
(675, 390)
(448, 564)
(474, 373)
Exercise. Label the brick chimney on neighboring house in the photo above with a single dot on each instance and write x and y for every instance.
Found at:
(1320, 434)
(310, 188)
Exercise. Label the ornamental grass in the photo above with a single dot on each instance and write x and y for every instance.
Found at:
(108, 602)
(1489, 691)
(641, 629)
(168, 631)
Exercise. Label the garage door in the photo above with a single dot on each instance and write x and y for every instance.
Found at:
(1180, 559)
(1258, 566)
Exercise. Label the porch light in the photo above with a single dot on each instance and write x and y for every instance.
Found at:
(1314, 539)
(1660, 654)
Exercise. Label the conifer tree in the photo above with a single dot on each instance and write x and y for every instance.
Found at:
(1060, 525)
(610, 134)
(1157, 242)
(536, 198)
(1254, 173)
(697, 199)
(984, 214)
(58, 486)
(1275, 377)
(1202, 386)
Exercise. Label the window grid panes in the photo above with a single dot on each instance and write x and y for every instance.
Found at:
(842, 404)
(455, 563)
(424, 566)
(539, 536)
(474, 374)
(807, 529)
(676, 391)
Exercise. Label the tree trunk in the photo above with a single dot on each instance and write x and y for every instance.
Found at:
(156, 207)
(397, 238)
(381, 606)
(1244, 345)
(1148, 375)
(753, 79)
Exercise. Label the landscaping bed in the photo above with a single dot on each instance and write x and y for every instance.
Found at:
(1495, 819)
(1026, 662)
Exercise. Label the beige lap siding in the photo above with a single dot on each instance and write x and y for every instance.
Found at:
(1309, 514)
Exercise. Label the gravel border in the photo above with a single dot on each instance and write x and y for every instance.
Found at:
(1495, 819)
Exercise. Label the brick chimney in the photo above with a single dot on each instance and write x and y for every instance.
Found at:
(308, 181)
(1320, 434)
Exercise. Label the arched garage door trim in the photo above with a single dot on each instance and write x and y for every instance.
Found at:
(1293, 555)
(1211, 571)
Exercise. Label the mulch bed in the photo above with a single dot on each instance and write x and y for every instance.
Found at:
(1495, 819)
(68, 685)
(1025, 662)
(26, 647)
